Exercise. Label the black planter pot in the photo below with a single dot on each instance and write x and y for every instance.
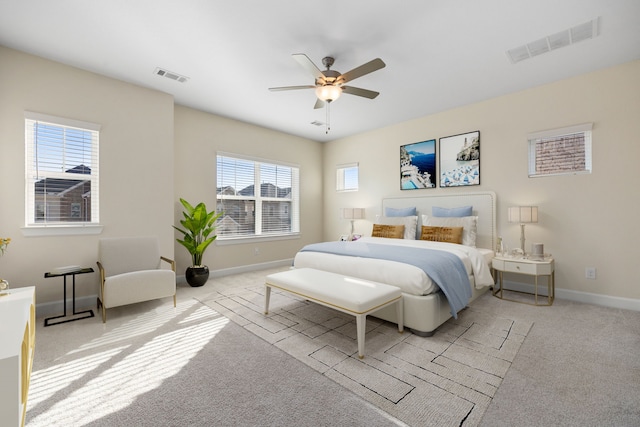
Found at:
(197, 276)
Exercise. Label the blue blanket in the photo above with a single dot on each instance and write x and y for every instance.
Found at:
(444, 268)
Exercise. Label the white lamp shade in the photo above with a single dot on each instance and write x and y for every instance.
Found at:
(353, 213)
(328, 93)
(523, 214)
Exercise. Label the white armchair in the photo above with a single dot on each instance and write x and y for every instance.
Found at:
(130, 272)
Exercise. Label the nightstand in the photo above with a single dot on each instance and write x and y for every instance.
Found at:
(528, 267)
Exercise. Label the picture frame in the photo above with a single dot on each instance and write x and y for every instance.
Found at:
(418, 165)
(460, 160)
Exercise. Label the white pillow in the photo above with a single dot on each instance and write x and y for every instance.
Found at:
(469, 226)
(410, 223)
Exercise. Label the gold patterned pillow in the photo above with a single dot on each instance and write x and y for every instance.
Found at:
(442, 234)
(390, 231)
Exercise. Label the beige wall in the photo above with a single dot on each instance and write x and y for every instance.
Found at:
(136, 166)
(585, 220)
(198, 137)
(140, 180)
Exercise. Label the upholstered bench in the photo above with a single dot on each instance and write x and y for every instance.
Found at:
(349, 295)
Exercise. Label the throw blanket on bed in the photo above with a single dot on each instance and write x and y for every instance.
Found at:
(444, 268)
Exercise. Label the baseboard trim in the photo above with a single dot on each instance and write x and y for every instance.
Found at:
(243, 269)
(252, 267)
(54, 308)
(579, 296)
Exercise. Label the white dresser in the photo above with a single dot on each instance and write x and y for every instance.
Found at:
(17, 335)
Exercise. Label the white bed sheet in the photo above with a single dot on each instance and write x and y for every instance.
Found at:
(409, 278)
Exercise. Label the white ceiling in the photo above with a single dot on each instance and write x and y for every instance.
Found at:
(440, 54)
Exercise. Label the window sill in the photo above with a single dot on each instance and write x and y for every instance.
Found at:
(61, 230)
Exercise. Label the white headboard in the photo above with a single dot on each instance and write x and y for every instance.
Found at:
(484, 206)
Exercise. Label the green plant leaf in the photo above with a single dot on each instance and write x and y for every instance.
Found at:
(198, 225)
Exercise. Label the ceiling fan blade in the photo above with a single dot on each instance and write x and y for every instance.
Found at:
(319, 104)
(273, 89)
(362, 70)
(308, 65)
(360, 92)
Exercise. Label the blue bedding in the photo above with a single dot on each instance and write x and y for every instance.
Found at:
(444, 268)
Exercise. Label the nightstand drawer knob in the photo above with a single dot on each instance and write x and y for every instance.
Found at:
(518, 267)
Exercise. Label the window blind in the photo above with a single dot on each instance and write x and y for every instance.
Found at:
(257, 197)
(61, 171)
(560, 151)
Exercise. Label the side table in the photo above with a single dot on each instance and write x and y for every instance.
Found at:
(86, 313)
(528, 267)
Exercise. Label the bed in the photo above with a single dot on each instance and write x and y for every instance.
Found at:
(425, 304)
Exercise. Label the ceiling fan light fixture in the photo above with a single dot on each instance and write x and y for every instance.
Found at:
(328, 93)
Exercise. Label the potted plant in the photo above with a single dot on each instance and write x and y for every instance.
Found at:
(199, 232)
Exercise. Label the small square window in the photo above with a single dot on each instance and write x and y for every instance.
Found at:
(347, 177)
(560, 151)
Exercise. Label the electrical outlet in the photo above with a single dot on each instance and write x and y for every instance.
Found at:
(256, 251)
(590, 273)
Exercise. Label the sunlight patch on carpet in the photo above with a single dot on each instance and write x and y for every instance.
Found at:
(106, 381)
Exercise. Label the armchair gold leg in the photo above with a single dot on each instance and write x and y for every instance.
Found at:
(104, 310)
(174, 300)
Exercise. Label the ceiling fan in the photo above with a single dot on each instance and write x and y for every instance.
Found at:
(330, 84)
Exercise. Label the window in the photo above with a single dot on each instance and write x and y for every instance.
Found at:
(347, 177)
(258, 198)
(61, 171)
(560, 151)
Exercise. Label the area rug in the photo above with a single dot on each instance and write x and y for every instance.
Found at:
(448, 379)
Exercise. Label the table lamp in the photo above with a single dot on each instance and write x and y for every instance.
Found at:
(352, 214)
(523, 215)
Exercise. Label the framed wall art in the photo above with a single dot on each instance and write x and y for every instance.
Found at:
(460, 160)
(418, 165)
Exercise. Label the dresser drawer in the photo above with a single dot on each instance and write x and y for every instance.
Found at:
(521, 267)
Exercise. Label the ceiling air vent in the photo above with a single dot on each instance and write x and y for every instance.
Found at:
(576, 34)
(170, 75)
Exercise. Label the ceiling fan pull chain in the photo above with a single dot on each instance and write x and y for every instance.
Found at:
(328, 118)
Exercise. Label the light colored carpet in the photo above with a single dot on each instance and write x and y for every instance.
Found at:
(156, 365)
(445, 380)
(578, 366)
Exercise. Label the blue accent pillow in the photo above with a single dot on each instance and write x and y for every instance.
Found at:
(452, 212)
(400, 211)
